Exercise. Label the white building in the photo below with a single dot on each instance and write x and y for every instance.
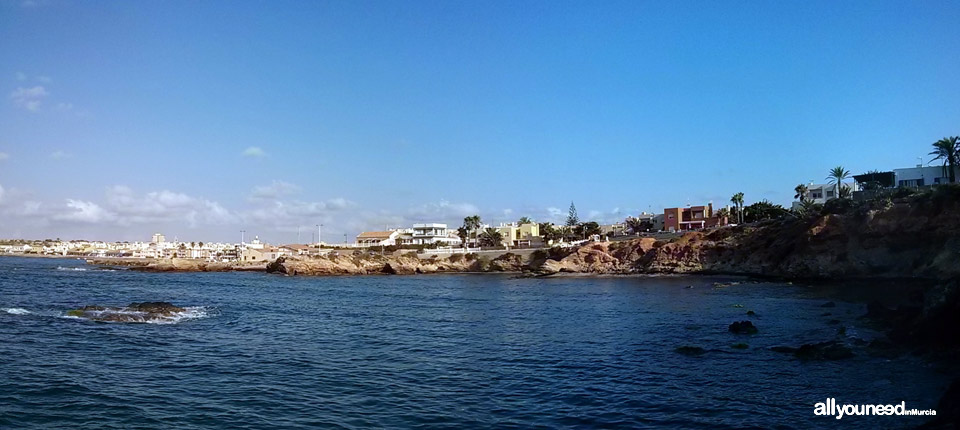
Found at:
(821, 193)
(921, 176)
(378, 238)
(430, 233)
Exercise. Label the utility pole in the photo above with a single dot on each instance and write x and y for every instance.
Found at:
(298, 234)
(344, 238)
(241, 236)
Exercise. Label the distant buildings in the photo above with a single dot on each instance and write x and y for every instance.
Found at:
(691, 218)
(378, 238)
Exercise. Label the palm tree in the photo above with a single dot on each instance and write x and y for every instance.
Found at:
(948, 150)
(491, 237)
(837, 175)
(472, 223)
(801, 193)
(737, 201)
(524, 220)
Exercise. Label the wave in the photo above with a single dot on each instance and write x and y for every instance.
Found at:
(16, 311)
(72, 269)
(130, 316)
(189, 313)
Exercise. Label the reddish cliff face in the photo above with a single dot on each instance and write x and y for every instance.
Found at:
(916, 236)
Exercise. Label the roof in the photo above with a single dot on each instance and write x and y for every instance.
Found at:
(296, 246)
(375, 235)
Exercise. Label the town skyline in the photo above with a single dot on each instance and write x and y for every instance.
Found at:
(115, 127)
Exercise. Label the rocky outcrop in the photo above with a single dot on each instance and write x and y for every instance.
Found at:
(742, 327)
(178, 265)
(132, 313)
(830, 350)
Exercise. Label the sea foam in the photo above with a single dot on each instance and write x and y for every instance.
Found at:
(16, 311)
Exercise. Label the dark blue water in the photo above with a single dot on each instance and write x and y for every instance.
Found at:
(457, 351)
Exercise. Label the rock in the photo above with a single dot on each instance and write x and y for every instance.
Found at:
(742, 327)
(751, 313)
(690, 350)
(831, 350)
(948, 409)
(277, 266)
(739, 346)
(132, 313)
(508, 262)
(828, 305)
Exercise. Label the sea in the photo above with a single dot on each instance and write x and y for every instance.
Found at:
(443, 351)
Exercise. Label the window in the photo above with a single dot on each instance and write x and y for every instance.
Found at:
(829, 194)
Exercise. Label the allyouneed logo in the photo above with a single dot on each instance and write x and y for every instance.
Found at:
(831, 408)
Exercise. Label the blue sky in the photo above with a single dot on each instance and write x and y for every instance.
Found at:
(199, 119)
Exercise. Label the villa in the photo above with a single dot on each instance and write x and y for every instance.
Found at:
(691, 218)
(378, 238)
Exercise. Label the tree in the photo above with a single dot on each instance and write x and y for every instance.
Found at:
(836, 177)
(572, 218)
(723, 213)
(801, 192)
(634, 225)
(845, 192)
(550, 233)
(808, 207)
(472, 223)
(587, 229)
(948, 150)
(524, 220)
(737, 201)
(463, 233)
(763, 210)
(491, 237)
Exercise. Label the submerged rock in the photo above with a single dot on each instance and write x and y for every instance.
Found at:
(831, 350)
(132, 313)
(743, 327)
(690, 350)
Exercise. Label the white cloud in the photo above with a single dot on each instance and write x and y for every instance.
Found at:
(21, 76)
(44, 79)
(164, 206)
(84, 212)
(59, 154)
(29, 98)
(4, 156)
(253, 151)
(64, 106)
(1, 194)
(273, 191)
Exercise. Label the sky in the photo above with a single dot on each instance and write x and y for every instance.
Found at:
(199, 119)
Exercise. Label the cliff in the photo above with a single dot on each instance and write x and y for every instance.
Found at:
(916, 236)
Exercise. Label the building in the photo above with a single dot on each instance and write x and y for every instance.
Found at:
(691, 218)
(618, 229)
(295, 249)
(158, 238)
(430, 233)
(377, 238)
(921, 176)
(821, 193)
(523, 235)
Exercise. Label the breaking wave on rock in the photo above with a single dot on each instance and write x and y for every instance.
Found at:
(144, 313)
(16, 311)
(72, 269)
